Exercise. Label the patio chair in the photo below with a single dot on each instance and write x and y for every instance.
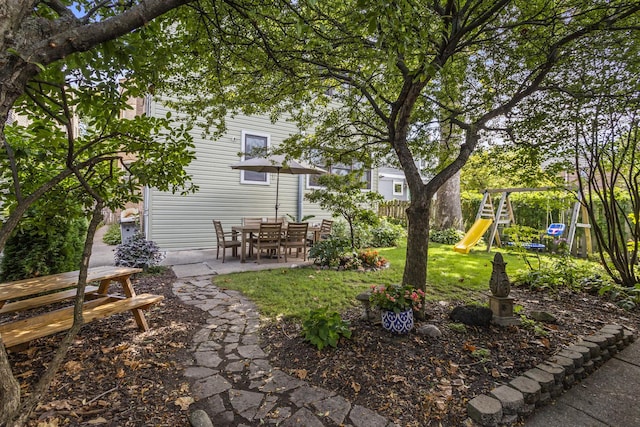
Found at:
(296, 238)
(223, 243)
(269, 238)
(250, 221)
(325, 229)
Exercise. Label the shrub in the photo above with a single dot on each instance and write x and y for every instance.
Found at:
(329, 252)
(362, 233)
(138, 252)
(386, 234)
(112, 236)
(564, 272)
(450, 236)
(35, 249)
(323, 327)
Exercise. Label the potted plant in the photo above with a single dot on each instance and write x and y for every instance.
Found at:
(396, 304)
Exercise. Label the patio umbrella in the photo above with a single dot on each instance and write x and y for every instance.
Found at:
(277, 164)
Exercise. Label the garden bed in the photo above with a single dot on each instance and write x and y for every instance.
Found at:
(420, 381)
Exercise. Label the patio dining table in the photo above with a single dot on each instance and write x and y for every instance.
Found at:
(246, 231)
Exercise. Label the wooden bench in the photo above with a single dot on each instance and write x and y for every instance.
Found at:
(42, 291)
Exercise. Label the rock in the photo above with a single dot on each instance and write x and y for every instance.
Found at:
(529, 388)
(485, 410)
(364, 296)
(472, 315)
(431, 331)
(543, 316)
(511, 399)
(199, 418)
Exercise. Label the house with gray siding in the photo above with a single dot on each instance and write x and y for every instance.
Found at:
(178, 222)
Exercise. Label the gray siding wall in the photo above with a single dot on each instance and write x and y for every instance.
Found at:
(177, 222)
(185, 222)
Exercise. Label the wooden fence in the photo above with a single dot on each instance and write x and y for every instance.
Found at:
(393, 209)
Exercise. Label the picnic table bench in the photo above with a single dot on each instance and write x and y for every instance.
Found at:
(28, 294)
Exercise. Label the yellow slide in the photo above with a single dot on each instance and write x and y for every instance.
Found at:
(474, 234)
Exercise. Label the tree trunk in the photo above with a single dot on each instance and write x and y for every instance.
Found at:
(448, 205)
(415, 270)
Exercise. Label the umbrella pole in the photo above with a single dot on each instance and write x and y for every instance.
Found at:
(277, 191)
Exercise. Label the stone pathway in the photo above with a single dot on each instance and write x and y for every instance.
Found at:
(232, 374)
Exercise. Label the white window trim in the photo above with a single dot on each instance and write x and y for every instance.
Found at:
(242, 149)
(401, 184)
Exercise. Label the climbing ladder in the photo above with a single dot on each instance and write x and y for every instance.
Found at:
(579, 208)
(504, 217)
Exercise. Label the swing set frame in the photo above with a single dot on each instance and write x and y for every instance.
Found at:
(504, 214)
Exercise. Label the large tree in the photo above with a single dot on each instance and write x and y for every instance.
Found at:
(46, 80)
(366, 78)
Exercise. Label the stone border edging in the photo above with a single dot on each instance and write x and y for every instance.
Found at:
(508, 403)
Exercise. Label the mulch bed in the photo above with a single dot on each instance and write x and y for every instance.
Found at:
(116, 376)
(415, 380)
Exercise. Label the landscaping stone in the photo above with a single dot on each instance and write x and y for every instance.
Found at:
(335, 408)
(545, 397)
(511, 399)
(529, 388)
(598, 361)
(594, 349)
(472, 315)
(431, 331)
(485, 410)
(568, 381)
(589, 367)
(597, 339)
(573, 355)
(199, 418)
(363, 417)
(584, 351)
(611, 338)
(556, 370)
(303, 418)
(566, 364)
(630, 336)
(545, 379)
(617, 330)
(556, 390)
(543, 316)
(509, 419)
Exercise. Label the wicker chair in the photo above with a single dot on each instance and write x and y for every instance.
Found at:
(296, 238)
(223, 243)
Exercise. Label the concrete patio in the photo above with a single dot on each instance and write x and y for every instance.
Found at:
(190, 263)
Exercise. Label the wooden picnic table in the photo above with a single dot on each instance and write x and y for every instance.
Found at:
(246, 231)
(25, 295)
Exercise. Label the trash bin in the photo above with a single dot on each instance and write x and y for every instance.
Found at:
(128, 223)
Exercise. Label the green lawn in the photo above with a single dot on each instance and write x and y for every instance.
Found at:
(293, 292)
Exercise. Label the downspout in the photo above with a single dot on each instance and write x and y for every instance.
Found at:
(301, 179)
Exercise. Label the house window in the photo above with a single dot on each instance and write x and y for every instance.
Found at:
(254, 144)
(398, 188)
(342, 169)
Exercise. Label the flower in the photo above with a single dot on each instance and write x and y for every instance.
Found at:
(371, 258)
(396, 298)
